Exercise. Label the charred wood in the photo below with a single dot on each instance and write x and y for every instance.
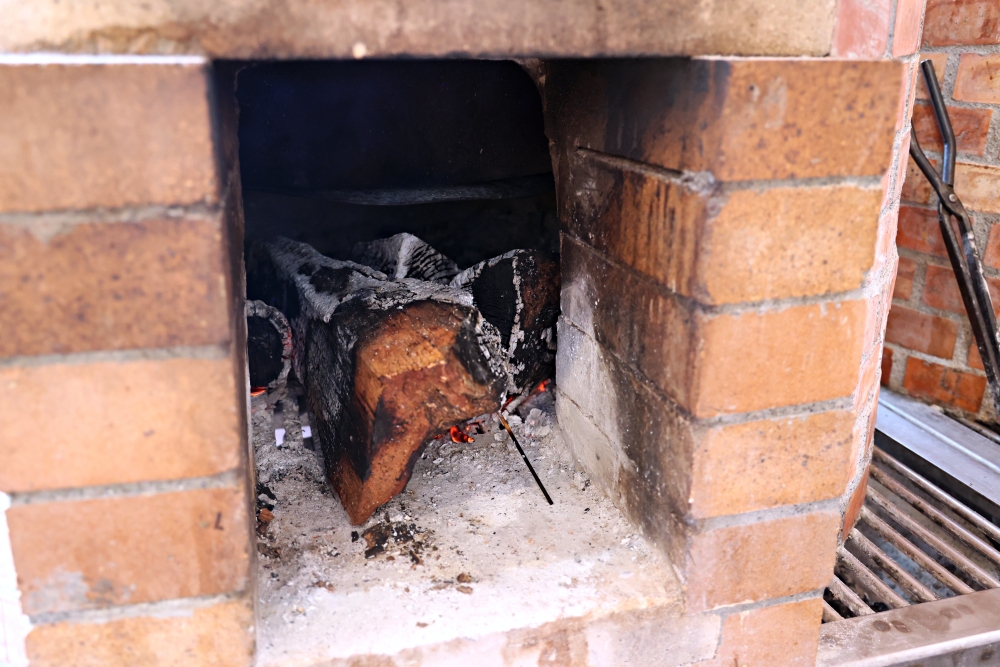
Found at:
(269, 346)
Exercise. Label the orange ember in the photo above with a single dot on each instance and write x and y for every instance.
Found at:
(257, 391)
(458, 435)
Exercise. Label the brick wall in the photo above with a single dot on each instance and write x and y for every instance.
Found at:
(727, 258)
(930, 350)
(123, 437)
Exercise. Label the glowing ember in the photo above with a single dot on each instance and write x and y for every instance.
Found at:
(257, 391)
(458, 435)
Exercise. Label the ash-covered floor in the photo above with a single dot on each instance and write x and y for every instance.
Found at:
(469, 550)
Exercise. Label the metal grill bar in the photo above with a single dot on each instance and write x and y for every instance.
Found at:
(906, 581)
(845, 596)
(914, 553)
(851, 563)
(975, 572)
(936, 515)
(830, 614)
(934, 492)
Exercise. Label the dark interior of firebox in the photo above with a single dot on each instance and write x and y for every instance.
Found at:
(333, 153)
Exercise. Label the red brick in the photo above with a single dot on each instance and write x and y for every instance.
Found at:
(991, 257)
(886, 366)
(89, 136)
(978, 78)
(918, 331)
(906, 97)
(113, 285)
(785, 635)
(906, 31)
(132, 421)
(763, 560)
(916, 189)
(941, 384)
(979, 186)
(87, 554)
(854, 506)
(862, 29)
(904, 278)
(961, 22)
(970, 125)
(940, 61)
(220, 635)
(941, 290)
(974, 358)
(919, 229)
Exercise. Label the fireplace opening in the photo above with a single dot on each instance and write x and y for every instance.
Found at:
(401, 249)
(453, 152)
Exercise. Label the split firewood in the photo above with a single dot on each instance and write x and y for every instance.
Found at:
(269, 346)
(518, 293)
(387, 364)
(405, 256)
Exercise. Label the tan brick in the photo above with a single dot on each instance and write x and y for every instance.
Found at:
(961, 22)
(786, 635)
(713, 364)
(789, 242)
(763, 560)
(767, 244)
(970, 126)
(991, 256)
(217, 636)
(918, 331)
(87, 136)
(130, 421)
(907, 29)
(97, 553)
(765, 464)
(905, 274)
(978, 185)
(103, 286)
(738, 119)
(854, 505)
(801, 354)
(941, 384)
(976, 78)
(862, 29)
(877, 307)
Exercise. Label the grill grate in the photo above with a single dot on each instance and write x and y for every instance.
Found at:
(913, 543)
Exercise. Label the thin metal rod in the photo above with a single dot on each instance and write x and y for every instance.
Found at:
(936, 515)
(524, 458)
(944, 122)
(845, 596)
(916, 590)
(933, 491)
(914, 553)
(851, 563)
(978, 574)
(830, 614)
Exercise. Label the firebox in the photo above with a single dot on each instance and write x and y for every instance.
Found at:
(719, 236)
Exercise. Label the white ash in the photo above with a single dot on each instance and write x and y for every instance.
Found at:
(476, 548)
(405, 256)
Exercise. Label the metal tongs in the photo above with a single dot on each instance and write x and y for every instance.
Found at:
(960, 243)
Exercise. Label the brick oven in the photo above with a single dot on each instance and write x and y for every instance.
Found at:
(727, 182)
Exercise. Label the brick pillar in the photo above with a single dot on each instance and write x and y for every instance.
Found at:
(123, 436)
(721, 254)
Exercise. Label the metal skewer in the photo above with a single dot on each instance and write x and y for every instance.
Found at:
(524, 458)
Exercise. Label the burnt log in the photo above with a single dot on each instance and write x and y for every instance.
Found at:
(387, 364)
(518, 294)
(269, 346)
(405, 256)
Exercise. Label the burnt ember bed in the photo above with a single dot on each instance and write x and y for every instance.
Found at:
(459, 566)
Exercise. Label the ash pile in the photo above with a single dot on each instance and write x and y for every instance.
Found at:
(397, 345)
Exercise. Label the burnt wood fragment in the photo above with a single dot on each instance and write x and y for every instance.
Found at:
(405, 256)
(518, 293)
(387, 365)
(269, 346)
